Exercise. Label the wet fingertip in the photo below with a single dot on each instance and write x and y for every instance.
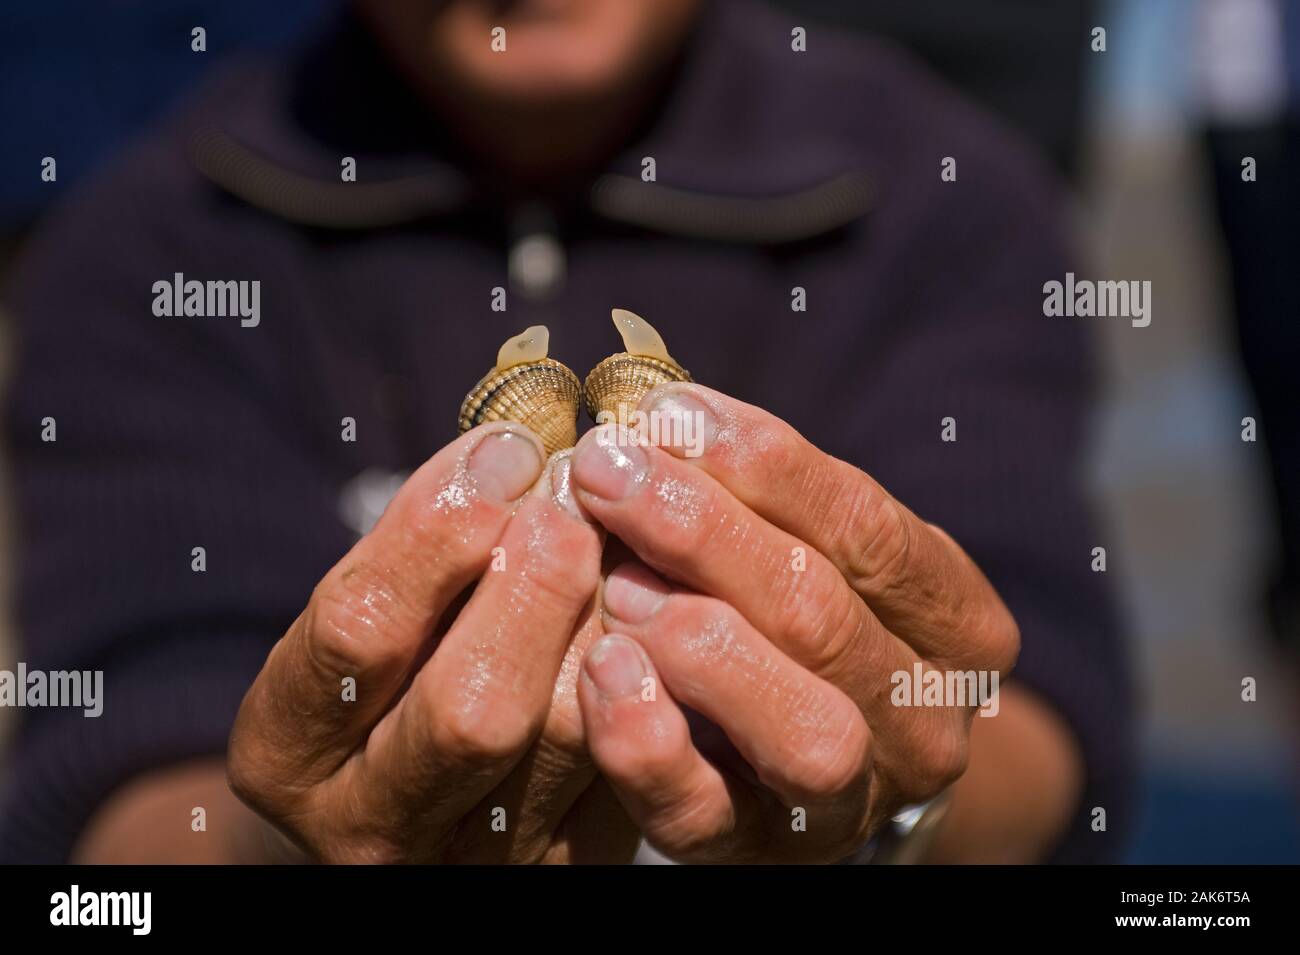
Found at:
(678, 419)
(633, 593)
(617, 667)
(609, 463)
(506, 461)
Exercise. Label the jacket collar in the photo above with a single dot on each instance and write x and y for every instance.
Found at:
(727, 171)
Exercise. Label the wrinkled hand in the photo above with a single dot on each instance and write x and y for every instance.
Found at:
(790, 657)
(465, 740)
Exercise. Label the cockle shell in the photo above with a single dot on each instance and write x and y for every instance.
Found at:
(527, 387)
(616, 386)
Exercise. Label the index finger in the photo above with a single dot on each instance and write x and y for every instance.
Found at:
(373, 612)
(917, 579)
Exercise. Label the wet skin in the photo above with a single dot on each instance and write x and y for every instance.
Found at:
(772, 590)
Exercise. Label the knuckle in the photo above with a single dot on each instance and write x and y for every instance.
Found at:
(245, 772)
(817, 616)
(250, 779)
(939, 763)
(994, 635)
(784, 453)
(350, 620)
(481, 736)
(653, 765)
(265, 766)
(828, 768)
(820, 480)
(880, 535)
(1004, 639)
(689, 823)
(242, 774)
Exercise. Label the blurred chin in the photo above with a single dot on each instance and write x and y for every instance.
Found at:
(560, 57)
(550, 70)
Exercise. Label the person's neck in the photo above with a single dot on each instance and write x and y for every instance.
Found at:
(549, 144)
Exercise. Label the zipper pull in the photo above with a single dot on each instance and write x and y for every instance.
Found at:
(536, 264)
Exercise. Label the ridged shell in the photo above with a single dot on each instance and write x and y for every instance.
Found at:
(544, 395)
(625, 379)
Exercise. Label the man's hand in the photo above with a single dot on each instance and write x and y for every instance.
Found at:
(800, 587)
(453, 749)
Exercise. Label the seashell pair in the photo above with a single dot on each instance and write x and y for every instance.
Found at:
(528, 387)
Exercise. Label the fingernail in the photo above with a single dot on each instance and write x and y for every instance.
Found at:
(608, 463)
(632, 593)
(683, 423)
(504, 465)
(616, 667)
(560, 474)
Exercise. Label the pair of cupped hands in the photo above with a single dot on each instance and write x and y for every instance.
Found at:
(722, 688)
